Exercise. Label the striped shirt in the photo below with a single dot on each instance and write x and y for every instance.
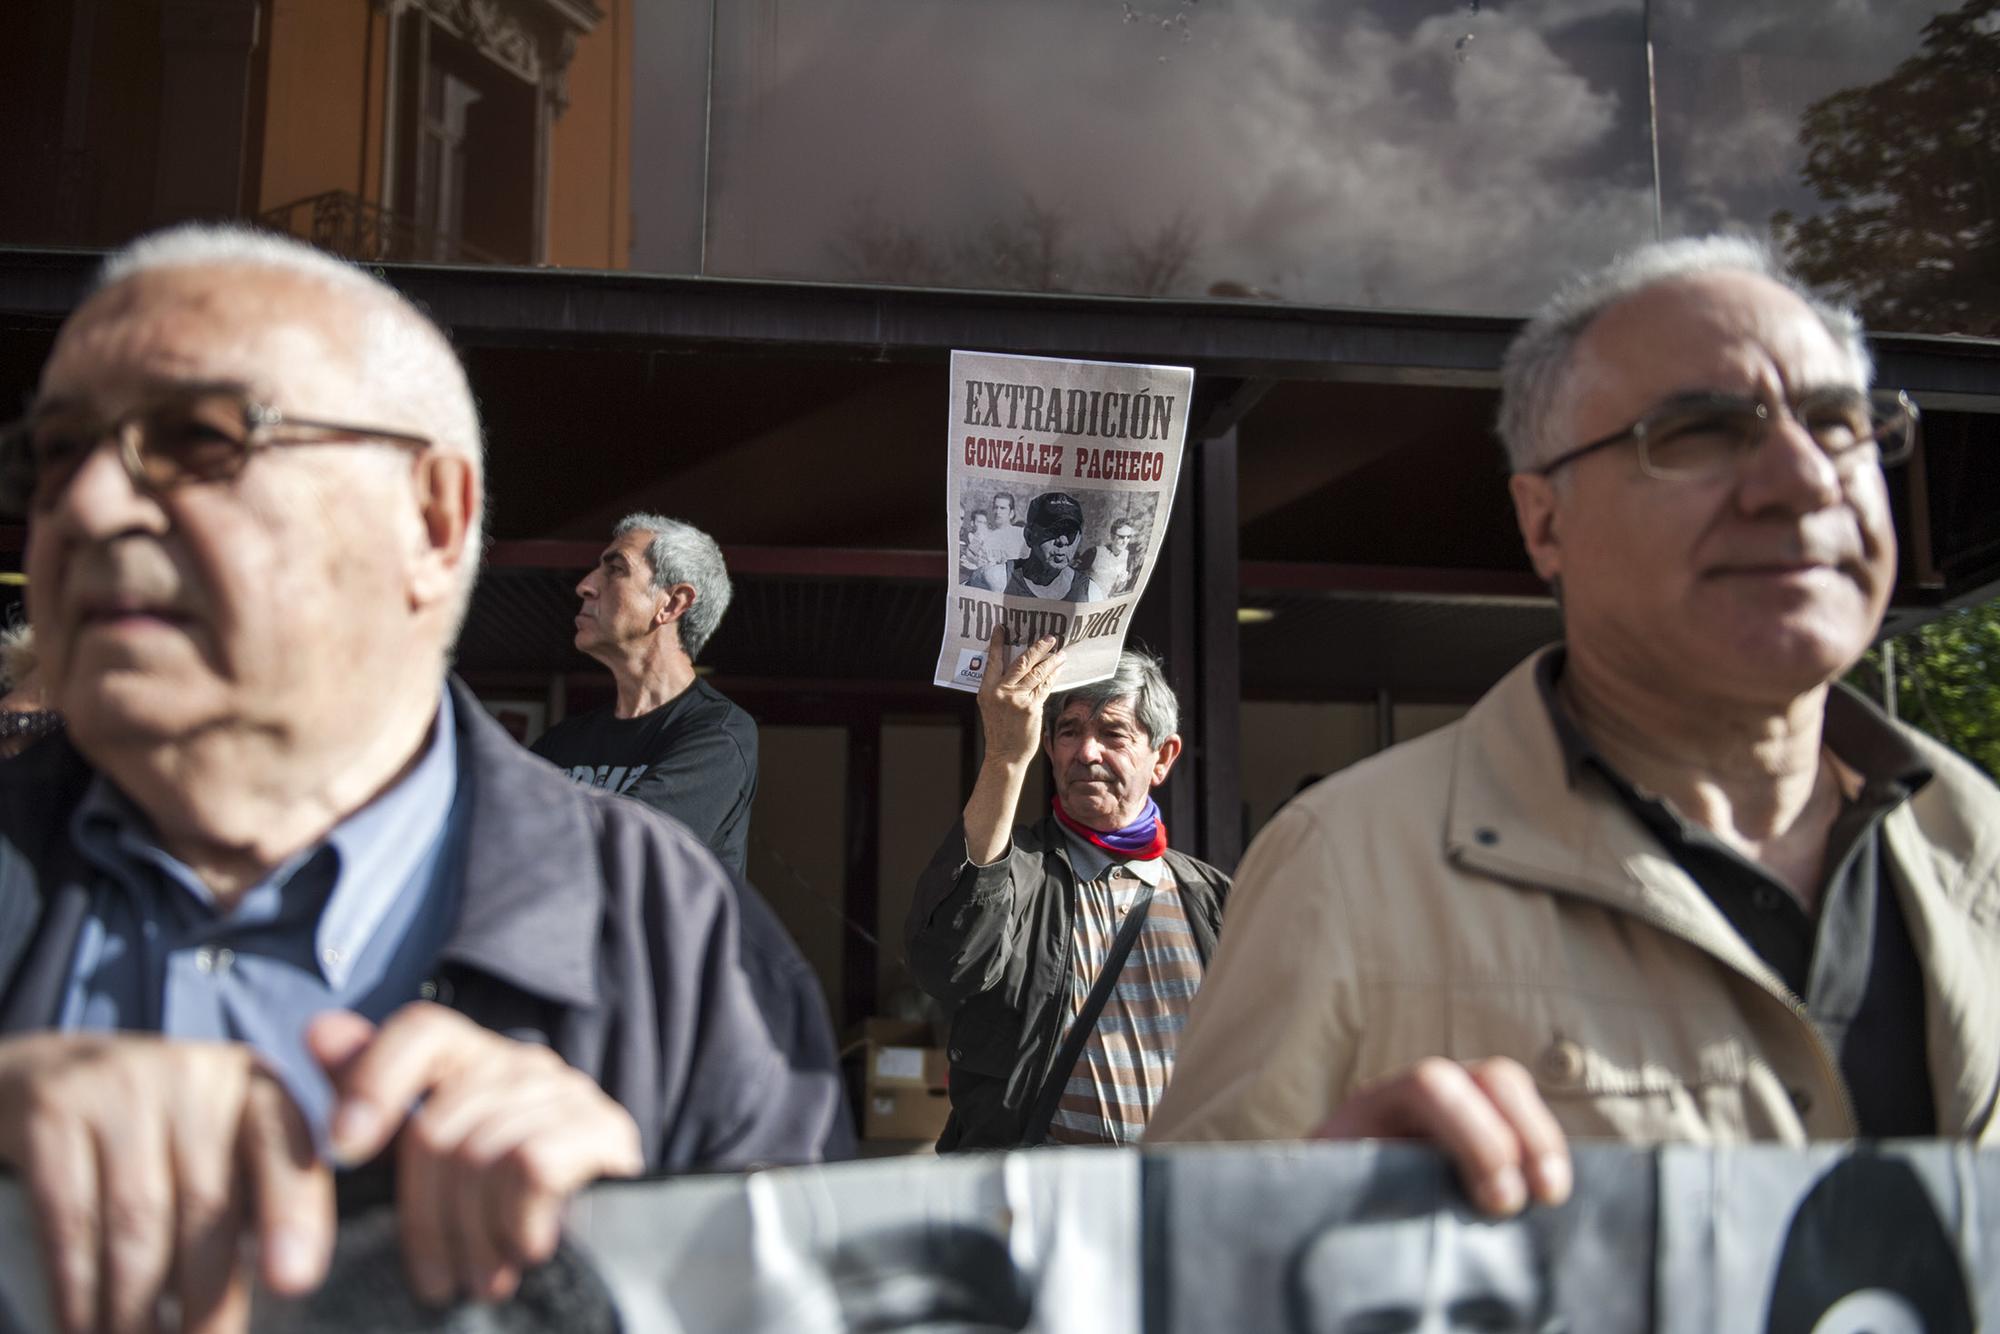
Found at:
(1126, 1063)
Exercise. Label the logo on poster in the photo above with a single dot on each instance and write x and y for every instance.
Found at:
(971, 666)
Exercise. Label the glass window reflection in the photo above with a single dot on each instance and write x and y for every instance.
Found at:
(1451, 156)
(1458, 155)
(1857, 137)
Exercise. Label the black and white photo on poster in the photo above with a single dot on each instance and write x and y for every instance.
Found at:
(1081, 546)
(1356, 1239)
(987, 1242)
(1838, 1239)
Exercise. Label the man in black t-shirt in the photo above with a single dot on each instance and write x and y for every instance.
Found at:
(676, 743)
(672, 740)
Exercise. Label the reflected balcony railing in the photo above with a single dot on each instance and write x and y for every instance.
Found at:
(348, 225)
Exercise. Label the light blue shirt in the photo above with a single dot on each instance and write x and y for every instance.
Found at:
(355, 922)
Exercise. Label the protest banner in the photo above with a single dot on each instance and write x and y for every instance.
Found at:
(1059, 482)
(1895, 1238)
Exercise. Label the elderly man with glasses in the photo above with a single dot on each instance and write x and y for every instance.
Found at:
(284, 896)
(1668, 880)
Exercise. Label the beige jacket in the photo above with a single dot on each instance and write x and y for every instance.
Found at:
(1456, 897)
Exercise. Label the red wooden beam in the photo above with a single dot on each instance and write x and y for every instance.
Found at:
(825, 562)
(924, 566)
(1307, 577)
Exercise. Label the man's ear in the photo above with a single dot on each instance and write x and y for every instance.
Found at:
(1170, 750)
(674, 604)
(1535, 510)
(447, 499)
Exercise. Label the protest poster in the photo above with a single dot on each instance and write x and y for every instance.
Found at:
(1060, 479)
(1892, 1238)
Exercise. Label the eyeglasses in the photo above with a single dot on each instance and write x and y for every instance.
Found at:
(1709, 435)
(202, 434)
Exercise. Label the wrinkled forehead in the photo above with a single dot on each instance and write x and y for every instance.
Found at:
(290, 343)
(632, 546)
(1727, 332)
(1107, 713)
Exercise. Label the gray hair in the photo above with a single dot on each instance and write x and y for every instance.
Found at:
(17, 655)
(681, 553)
(405, 358)
(1535, 371)
(1139, 679)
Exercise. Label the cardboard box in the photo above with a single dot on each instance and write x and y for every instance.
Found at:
(902, 1080)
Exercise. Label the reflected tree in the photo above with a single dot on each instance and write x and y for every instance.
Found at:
(1029, 252)
(875, 249)
(1033, 249)
(1157, 264)
(1911, 167)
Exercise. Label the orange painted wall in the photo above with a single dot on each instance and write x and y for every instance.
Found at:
(327, 94)
(325, 101)
(590, 150)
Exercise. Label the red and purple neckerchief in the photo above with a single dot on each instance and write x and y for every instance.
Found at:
(1142, 840)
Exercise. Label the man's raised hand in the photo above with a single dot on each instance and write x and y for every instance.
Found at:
(1011, 696)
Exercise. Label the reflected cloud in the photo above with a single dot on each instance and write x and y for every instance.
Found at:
(1806, 32)
(1319, 152)
(1452, 156)
(1734, 82)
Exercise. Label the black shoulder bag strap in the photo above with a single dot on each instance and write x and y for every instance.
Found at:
(1037, 1127)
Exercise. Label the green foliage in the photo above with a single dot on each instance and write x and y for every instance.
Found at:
(1947, 681)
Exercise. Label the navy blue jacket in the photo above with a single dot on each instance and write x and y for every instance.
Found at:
(590, 924)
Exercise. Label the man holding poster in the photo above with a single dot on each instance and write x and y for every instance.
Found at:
(1068, 949)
